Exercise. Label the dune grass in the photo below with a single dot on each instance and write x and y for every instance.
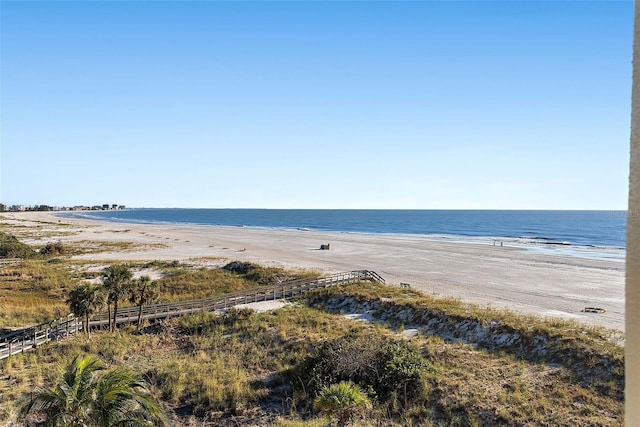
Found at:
(33, 292)
(239, 365)
(183, 282)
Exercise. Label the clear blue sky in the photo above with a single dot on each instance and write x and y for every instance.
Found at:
(459, 105)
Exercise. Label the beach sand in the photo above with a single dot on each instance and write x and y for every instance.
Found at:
(504, 277)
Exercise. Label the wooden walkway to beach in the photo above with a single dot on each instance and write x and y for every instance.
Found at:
(25, 339)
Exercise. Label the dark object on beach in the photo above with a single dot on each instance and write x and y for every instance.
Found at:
(405, 285)
(593, 310)
(325, 247)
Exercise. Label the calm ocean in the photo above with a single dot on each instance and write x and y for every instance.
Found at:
(595, 229)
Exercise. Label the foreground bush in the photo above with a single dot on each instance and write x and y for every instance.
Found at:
(390, 371)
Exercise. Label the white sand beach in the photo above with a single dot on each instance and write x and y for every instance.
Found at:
(506, 277)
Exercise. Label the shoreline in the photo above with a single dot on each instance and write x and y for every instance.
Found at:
(522, 280)
(533, 244)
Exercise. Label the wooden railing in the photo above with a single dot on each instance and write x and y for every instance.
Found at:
(24, 339)
(9, 261)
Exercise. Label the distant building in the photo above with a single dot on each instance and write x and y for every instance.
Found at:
(23, 208)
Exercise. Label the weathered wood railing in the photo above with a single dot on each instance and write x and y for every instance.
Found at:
(9, 261)
(24, 339)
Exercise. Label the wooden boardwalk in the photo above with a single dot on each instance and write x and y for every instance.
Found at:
(25, 339)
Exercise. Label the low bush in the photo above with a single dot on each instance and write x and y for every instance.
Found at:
(386, 369)
(53, 249)
(10, 247)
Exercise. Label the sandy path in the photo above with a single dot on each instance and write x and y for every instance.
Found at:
(524, 281)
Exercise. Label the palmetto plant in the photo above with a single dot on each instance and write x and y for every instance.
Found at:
(343, 401)
(81, 398)
(123, 399)
(70, 401)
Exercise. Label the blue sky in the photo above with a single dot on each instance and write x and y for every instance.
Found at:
(399, 105)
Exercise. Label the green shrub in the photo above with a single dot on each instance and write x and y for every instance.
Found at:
(383, 367)
(10, 247)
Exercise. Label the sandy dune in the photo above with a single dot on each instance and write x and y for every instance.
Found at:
(511, 277)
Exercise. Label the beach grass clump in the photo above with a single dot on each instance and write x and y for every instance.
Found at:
(206, 382)
(343, 402)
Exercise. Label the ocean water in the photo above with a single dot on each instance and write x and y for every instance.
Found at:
(537, 229)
